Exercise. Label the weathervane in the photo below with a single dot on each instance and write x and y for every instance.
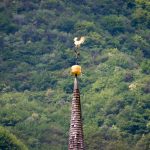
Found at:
(77, 43)
(76, 69)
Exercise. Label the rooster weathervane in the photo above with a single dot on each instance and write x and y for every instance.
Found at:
(77, 43)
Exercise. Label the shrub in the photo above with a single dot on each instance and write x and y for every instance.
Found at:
(9, 141)
(146, 66)
(85, 25)
(115, 24)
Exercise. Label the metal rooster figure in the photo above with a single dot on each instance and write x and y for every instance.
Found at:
(77, 43)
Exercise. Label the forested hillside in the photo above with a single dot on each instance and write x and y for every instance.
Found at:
(36, 53)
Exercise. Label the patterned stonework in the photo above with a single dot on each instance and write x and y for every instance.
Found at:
(76, 130)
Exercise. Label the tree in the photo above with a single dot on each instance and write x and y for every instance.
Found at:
(9, 141)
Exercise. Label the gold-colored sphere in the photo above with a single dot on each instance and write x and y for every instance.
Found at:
(76, 70)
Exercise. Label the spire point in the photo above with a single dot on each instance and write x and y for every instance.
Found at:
(76, 140)
(76, 83)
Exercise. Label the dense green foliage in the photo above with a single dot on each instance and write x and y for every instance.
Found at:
(9, 141)
(36, 45)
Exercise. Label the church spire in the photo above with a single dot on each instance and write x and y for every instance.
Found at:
(76, 130)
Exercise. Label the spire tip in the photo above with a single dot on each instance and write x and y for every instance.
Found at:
(76, 83)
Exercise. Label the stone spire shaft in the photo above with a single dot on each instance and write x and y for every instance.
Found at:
(76, 129)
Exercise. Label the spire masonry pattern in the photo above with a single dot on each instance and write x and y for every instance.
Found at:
(76, 131)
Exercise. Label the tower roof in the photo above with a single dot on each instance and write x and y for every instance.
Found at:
(76, 130)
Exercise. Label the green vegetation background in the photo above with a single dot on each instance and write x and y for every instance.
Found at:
(36, 53)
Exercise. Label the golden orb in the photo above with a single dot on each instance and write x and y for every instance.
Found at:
(76, 70)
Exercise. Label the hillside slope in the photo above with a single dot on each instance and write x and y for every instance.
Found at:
(36, 44)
